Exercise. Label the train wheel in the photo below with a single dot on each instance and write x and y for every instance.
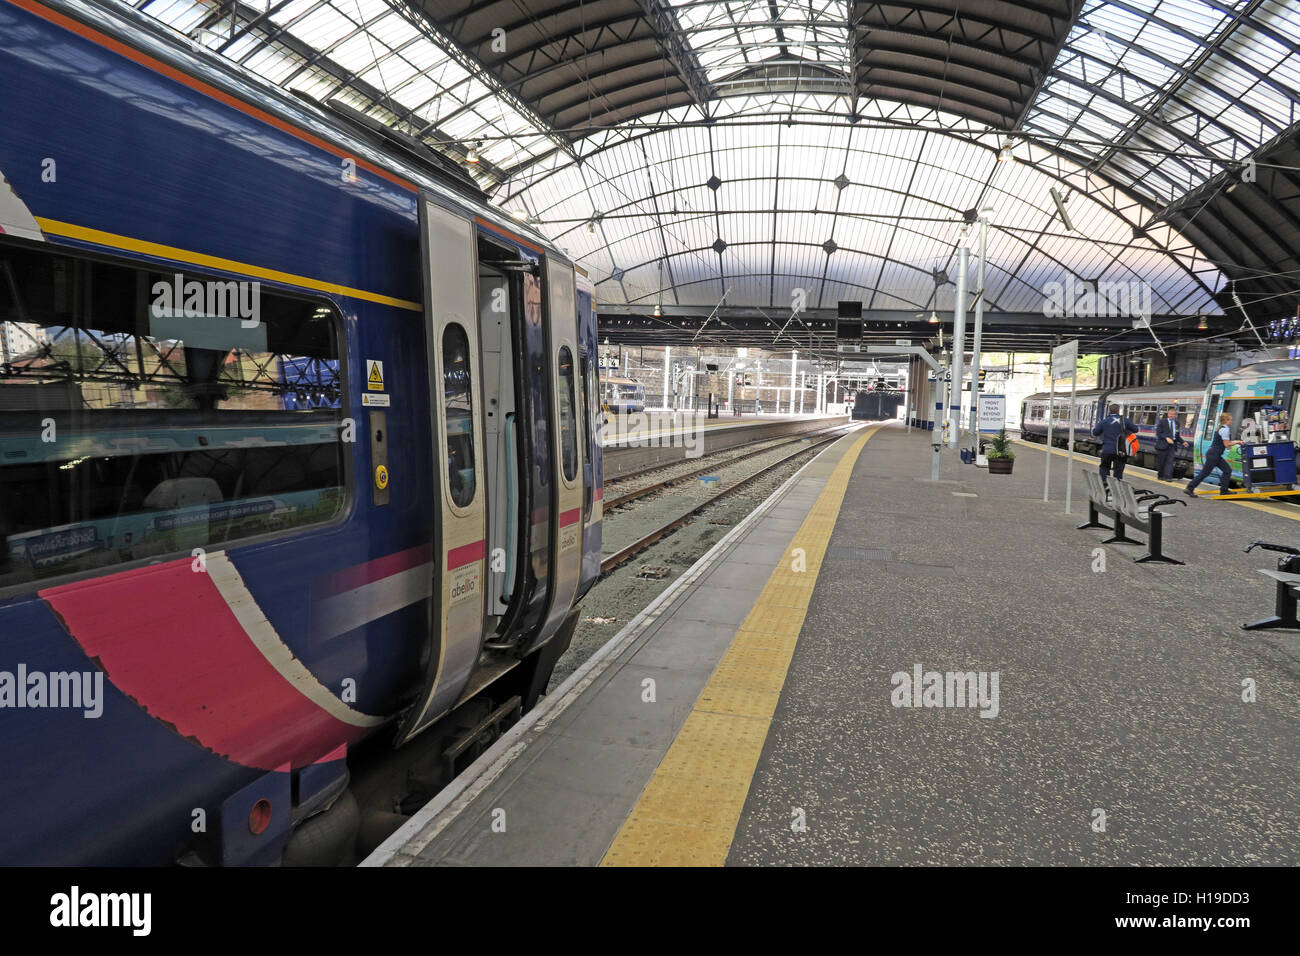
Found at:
(326, 839)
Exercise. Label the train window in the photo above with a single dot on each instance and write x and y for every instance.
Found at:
(568, 423)
(1244, 425)
(458, 405)
(1212, 416)
(1186, 417)
(1148, 415)
(587, 404)
(146, 413)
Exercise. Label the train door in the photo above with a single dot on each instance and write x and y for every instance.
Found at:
(1209, 422)
(567, 441)
(593, 474)
(518, 444)
(449, 263)
(500, 436)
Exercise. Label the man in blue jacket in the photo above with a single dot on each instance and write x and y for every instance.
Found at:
(1111, 429)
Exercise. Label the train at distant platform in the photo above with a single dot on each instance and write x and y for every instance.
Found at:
(1250, 393)
(621, 396)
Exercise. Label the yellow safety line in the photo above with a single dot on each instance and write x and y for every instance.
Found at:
(688, 812)
(126, 243)
(1282, 511)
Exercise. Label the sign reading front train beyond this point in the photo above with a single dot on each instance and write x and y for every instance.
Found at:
(374, 375)
(992, 413)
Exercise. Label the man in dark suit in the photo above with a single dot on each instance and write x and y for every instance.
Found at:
(1167, 442)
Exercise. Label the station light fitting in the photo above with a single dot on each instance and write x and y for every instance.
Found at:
(1005, 155)
(934, 318)
(1060, 209)
(1202, 325)
(472, 156)
(657, 312)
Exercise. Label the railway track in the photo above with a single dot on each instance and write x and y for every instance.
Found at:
(629, 496)
(636, 547)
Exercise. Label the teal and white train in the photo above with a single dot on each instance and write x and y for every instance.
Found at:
(1267, 388)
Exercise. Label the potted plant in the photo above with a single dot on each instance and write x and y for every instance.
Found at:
(1000, 455)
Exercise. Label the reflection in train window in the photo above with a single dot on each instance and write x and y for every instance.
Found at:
(568, 424)
(145, 413)
(458, 407)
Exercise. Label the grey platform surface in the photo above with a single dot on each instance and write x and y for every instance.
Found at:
(557, 787)
(1120, 690)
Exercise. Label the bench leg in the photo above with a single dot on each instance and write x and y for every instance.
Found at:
(1119, 537)
(1284, 607)
(1092, 517)
(1155, 542)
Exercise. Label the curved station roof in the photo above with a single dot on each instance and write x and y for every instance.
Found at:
(735, 170)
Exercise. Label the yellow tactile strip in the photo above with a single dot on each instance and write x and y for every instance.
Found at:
(688, 812)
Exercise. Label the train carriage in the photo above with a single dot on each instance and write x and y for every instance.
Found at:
(1145, 406)
(1034, 417)
(298, 456)
(622, 396)
(1269, 389)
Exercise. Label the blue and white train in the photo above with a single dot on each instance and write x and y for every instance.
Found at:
(298, 457)
(1145, 406)
(1248, 393)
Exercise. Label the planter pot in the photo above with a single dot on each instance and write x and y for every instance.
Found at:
(1000, 466)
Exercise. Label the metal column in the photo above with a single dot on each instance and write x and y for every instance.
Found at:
(975, 346)
(668, 355)
(794, 365)
(958, 348)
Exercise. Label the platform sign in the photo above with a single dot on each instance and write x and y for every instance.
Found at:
(992, 413)
(1065, 364)
(1065, 359)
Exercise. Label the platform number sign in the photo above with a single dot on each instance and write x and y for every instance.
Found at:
(374, 375)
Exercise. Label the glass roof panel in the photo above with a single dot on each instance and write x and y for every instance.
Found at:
(1154, 96)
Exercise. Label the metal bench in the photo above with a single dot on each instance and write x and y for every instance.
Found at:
(1287, 584)
(1129, 507)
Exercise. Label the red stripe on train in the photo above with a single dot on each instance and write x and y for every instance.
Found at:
(569, 517)
(465, 554)
(166, 637)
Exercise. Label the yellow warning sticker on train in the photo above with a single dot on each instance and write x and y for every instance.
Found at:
(381, 477)
(374, 375)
